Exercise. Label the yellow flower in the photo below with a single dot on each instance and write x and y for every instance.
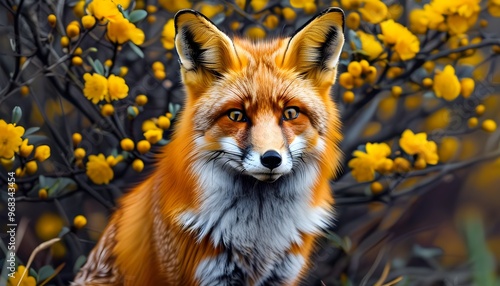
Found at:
(153, 135)
(370, 45)
(48, 226)
(98, 170)
(27, 280)
(121, 31)
(42, 153)
(448, 148)
(403, 42)
(352, 21)
(173, 6)
(374, 159)
(350, 4)
(79, 221)
(374, 11)
(96, 87)
(168, 35)
(460, 14)
(10, 139)
(417, 144)
(494, 8)
(25, 149)
(112, 160)
(467, 87)
(446, 84)
(104, 10)
(117, 88)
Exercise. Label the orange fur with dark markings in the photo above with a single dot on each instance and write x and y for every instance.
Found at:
(164, 232)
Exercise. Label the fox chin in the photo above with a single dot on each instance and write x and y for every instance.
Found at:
(241, 193)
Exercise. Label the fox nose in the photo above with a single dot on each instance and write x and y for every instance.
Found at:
(271, 159)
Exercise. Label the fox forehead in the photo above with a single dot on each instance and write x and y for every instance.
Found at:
(260, 88)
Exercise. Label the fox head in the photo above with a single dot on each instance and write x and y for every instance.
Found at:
(261, 109)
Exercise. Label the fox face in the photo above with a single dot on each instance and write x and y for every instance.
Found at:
(261, 110)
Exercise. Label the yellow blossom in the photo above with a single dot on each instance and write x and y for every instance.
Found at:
(48, 226)
(10, 139)
(163, 122)
(104, 10)
(373, 11)
(143, 146)
(446, 84)
(88, 21)
(168, 35)
(417, 144)
(96, 87)
(467, 87)
(489, 125)
(376, 188)
(174, 6)
(350, 4)
(76, 138)
(352, 21)
(79, 221)
(25, 149)
(401, 165)
(153, 135)
(98, 170)
(365, 164)
(448, 148)
(346, 80)
(141, 100)
(121, 31)
(138, 165)
(117, 88)
(15, 280)
(42, 153)
(403, 42)
(370, 45)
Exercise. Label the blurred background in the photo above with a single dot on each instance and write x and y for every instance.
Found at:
(418, 90)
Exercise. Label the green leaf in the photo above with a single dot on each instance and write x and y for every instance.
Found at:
(62, 186)
(80, 261)
(136, 50)
(131, 111)
(99, 67)
(45, 272)
(63, 231)
(17, 113)
(137, 15)
(34, 139)
(30, 131)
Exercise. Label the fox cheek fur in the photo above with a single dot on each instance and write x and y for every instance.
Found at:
(241, 193)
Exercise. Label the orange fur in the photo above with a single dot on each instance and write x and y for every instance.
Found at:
(153, 238)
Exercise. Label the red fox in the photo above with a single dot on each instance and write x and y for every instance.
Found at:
(241, 193)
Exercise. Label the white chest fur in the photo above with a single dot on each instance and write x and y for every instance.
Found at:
(255, 221)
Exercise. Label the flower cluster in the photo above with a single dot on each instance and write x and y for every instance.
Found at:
(98, 88)
(375, 157)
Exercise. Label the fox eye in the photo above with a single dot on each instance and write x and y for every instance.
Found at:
(290, 113)
(236, 115)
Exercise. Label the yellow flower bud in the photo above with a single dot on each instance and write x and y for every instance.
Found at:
(496, 49)
(271, 22)
(107, 109)
(289, 14)
(123, 71)
(78, 51)
(355, 69)
(371, 74)
(141, 100)
(429, 66)
(77, 138)
(159, 74)
(348, 96)
(235, 25)
(52, 19)
(79, 153)
(401, 165)
(72, 30)
(88, 22)
(472, 122)
(255, 33)
(169, 115)
(127, 144)
(31, 167)
(42, 152)
(346, 80)
(43, 194)
(151, 19)
(64, 41)
(108, 63)
(396, 91)
(163, 122)
(483, 23)
(77, 61)
(79, 221)
(143, 146)
(138, 165)
(480, 109)
(489, 125)
(25, 90)
(158, 66)
(25, 149)
(154, 135)
(467, 87)
(310, 8)
(353, 20)
(376, 188)
(427, 82)
(151, 9)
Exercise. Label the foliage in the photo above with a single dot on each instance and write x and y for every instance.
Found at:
(89, 91)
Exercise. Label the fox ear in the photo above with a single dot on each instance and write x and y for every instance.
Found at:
(201, 45)
(314, 49)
